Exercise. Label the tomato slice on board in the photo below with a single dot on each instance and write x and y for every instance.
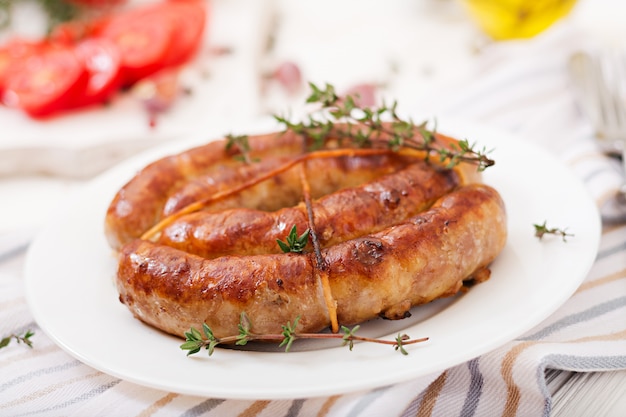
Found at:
(101, 59)
(142, 38)
(46, 82)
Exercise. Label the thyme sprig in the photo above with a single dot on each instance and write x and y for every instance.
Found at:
(343, 119)
(295, 243)
(196, 341)
(19, 338)
(543, 229)
(239, 144)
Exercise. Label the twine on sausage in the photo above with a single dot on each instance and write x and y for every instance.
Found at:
(321, 266)
(333, 153)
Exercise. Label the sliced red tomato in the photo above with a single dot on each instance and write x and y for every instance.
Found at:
(101, 60)
(12, 53)
(85, 62)
(188, 19)
(74, 31)
(46, 82)
(143, 38)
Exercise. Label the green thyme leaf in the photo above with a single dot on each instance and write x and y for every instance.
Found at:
(543, 229)
(5, 341)
(240, 144)
(289, 334)
(400, 343)
(211, 347)
(295, 243)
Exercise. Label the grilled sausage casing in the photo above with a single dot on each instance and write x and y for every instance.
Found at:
(346, 214)
(427, 256)
(171, 183)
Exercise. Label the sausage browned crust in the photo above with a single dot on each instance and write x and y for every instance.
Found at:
(391, 231)
(171, 183)
(346, 214)
(427, 256)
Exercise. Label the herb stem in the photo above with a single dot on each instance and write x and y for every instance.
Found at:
(356, 338)
(200, 204)
(19, 338)
(543, 229)
(252, 337)
(195, 342)
(340, 118)
(321, 266)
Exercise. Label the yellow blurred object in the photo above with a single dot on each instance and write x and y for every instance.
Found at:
(510, 19)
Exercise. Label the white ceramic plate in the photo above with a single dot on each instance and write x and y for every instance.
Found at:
(69, 285)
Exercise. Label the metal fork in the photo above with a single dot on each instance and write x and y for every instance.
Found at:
(600, 79)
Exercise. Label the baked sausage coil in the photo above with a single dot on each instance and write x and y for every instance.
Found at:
(197, 235)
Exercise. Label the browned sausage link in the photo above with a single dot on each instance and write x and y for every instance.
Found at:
(167, 185)
(425, 258)
(284, 189)
(138, 204)
(173, 290)
(385, 273)
(343, 215)
(161, 189)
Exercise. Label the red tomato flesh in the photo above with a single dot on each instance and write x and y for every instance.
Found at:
(76, 30)
(12, 53)
(143, 39)
(101, 60)
(188, 20)
(46, 82)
